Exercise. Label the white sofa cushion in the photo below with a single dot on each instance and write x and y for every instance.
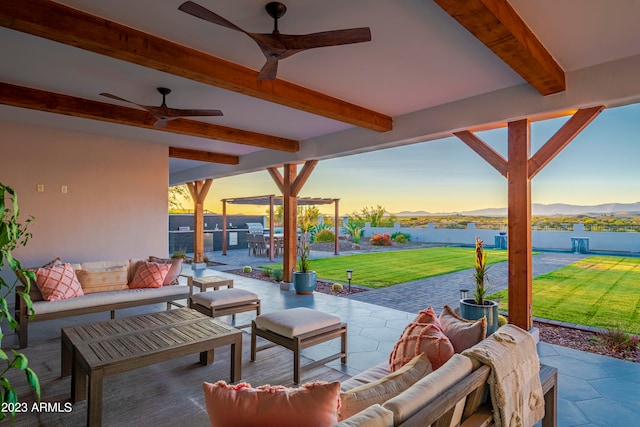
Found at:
(391, 385)
(409, 402)
(373, 416)
(106, 298)
(363, 378)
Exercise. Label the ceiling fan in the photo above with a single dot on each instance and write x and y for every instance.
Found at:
(163, 113)
(276, 46)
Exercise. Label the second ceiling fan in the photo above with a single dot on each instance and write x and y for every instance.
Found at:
(276, 46)
(163, 113)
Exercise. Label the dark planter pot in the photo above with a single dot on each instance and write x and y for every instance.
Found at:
(471, 311)
(304, 283)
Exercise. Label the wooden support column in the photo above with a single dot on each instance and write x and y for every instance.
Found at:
(272, 231)
(198, 191)
(290, 184)
(519, 225)
(336, 226)
(519, 171)
(224, 227)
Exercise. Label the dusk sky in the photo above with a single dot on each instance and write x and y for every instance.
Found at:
(600, 166)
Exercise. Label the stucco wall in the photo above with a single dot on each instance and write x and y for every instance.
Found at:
(116, 204)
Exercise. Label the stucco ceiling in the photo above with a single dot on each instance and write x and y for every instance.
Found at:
(422, 68)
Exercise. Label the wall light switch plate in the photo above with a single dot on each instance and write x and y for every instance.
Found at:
(63, 189)
(40, 188)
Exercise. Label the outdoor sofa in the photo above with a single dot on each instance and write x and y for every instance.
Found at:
(464, 379)
(107, 286)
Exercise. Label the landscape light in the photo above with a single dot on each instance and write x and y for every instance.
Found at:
(349, 277)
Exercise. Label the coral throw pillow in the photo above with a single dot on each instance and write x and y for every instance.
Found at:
(427, 315)
(423, 335)
(174, 271)
(58, 282)
(149, 275)
(310, 405)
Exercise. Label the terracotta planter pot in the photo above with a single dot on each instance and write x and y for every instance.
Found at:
(471, 311)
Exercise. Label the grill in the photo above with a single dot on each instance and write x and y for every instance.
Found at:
(255, 228)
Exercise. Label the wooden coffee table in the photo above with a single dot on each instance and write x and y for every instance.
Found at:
(100, 349)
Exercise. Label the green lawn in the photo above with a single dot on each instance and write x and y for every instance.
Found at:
(600, 291)
(382, 269)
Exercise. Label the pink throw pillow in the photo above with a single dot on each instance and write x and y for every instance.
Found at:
(311, 405)
(421, 338)
(149, 275)
(423, 335)
(174, 271)
(462, 333)
(58, 282)
(427, 315)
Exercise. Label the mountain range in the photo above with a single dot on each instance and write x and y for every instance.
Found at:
(545, 210)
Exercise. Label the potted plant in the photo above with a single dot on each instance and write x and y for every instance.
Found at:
(478, 306)
(12, 235)
(304, 280)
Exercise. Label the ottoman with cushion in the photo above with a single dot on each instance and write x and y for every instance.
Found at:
(225, 302)
(297, 329)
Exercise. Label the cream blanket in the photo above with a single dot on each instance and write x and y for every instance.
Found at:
(514, 382)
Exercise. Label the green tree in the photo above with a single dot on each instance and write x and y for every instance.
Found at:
(176, 194)
(308, 216)
(375, 216)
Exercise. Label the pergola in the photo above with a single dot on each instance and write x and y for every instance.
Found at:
(273, 200)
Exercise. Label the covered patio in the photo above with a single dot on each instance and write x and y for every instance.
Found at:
(94, 171)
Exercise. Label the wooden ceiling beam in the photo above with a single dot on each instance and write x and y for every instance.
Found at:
(496, 24)
(53, 21)
(35, 99)
(203, 156)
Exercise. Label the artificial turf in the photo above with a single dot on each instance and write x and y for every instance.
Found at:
(600, 291)
(382, 269)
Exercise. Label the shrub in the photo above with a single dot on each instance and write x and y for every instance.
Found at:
(179, 254)
(266, 272)
(276, 274)
(337, 287)
(381, 240)
(400, 237)
(620, 342)
(502, 320)
(325, 236)
(247, 269)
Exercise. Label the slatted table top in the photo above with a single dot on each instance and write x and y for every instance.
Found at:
(121, 339)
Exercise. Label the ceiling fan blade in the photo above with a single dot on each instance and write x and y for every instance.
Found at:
(269, 70)
(177, 112)
(326, 38)
(117, 98)
(200, 12)
(161, 123)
